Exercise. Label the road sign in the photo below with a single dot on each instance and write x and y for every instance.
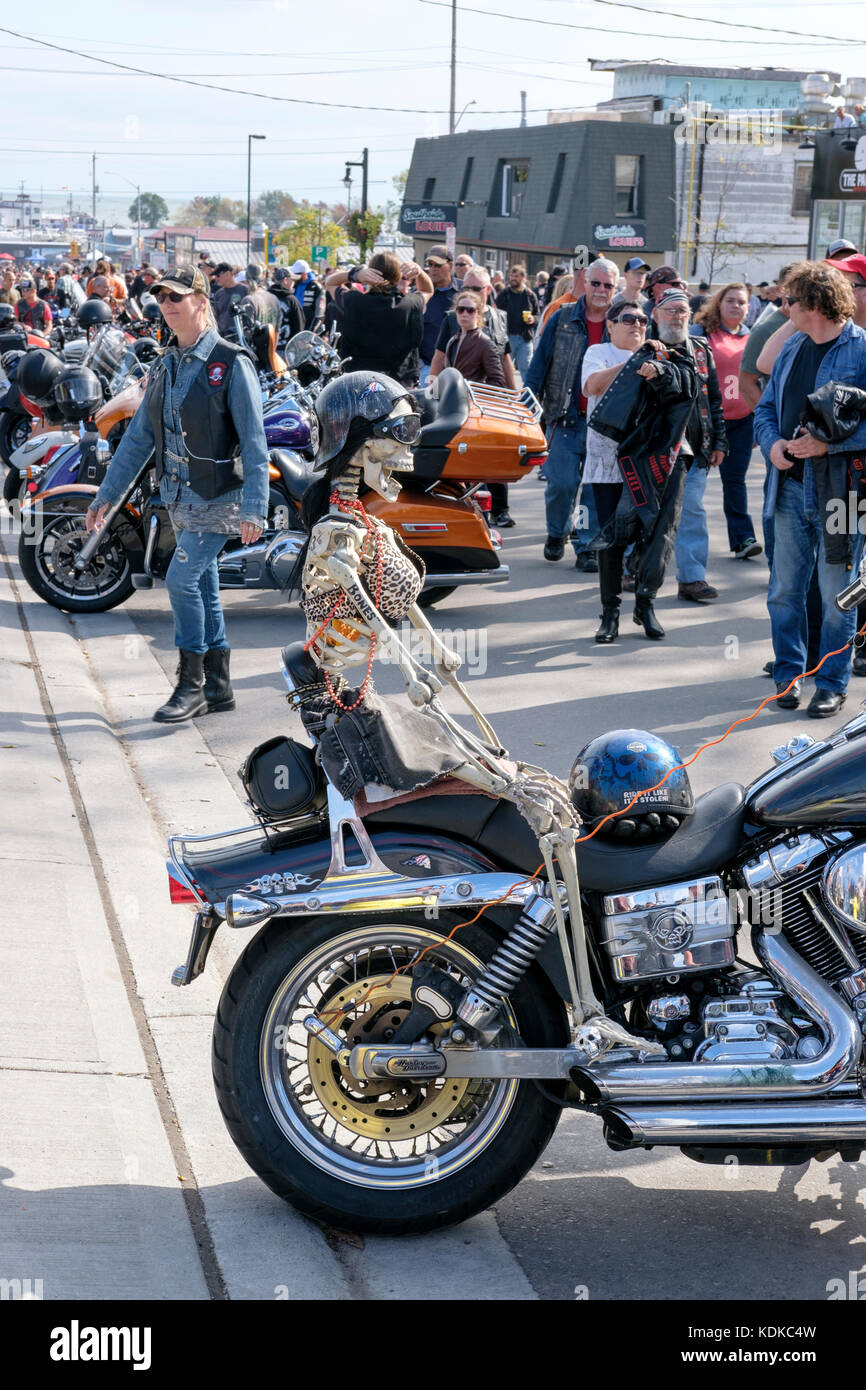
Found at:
(320, 253)
(280, 255)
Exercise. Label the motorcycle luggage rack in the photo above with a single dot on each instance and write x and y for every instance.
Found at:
(504, 403)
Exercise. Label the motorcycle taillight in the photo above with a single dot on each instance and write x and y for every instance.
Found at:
(484, 500)
(535, 460)
(179, 893)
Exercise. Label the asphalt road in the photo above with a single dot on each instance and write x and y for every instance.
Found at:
(588, 1222)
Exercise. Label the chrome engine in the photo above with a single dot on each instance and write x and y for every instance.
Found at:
(674, 929)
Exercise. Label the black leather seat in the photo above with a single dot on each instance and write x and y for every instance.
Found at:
(451, 414)
(295, 472)
(701, 845)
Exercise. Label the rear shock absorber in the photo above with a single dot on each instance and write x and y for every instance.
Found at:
(481, 1005)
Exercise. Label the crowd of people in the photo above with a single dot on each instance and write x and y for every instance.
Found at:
(646, 388)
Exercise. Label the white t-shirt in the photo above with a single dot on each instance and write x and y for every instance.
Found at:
(601, 465)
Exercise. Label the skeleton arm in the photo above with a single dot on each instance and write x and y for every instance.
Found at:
(447, 663)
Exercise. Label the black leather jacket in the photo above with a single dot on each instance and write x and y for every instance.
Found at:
(647, 419)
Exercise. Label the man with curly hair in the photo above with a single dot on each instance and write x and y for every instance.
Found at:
(826, 346)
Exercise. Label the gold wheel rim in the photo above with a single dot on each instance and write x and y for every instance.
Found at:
(384, 1108)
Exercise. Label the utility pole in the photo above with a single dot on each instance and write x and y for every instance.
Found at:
(250, 139)
(93, 181)
(363, 165)
(523, 108)
(453, 106)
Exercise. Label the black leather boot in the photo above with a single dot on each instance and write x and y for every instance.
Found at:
(217, 685)
(646, 618)
(187, 699)
(609, 627)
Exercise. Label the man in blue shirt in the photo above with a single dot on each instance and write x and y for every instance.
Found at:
(826, 347)
(439, 266)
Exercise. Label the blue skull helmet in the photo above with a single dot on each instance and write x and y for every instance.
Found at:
(612, 769)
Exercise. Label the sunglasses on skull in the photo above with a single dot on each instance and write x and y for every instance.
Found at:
(404, 428)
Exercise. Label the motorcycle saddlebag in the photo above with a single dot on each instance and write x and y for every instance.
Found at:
(281, 779)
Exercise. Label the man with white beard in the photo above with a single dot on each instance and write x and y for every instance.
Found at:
(703, 446)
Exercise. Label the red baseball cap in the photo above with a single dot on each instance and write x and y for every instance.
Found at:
(853, 265)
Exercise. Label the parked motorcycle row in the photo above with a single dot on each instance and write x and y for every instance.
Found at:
(471, 435)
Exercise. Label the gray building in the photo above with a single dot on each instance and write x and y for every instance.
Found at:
(534, 193)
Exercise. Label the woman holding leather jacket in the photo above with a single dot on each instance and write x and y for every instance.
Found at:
(201, 417)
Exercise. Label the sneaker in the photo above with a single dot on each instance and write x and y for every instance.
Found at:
(747, 550)
(699, 591)
(586, 562)
(554, 547)
(504, 519)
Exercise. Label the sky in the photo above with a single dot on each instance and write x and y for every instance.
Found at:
(179, 140)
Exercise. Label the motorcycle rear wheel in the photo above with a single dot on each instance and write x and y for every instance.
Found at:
(47, 563)
(383, 1157)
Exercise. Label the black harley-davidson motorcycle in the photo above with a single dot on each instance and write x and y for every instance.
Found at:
(394, 1048)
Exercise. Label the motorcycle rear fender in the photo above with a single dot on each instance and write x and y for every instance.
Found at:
(449, 533)
(253, 866)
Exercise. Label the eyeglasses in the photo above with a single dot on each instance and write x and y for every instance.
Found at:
(404, 428)
(169, 294)
(603, 284)
(467, 309)
(632, 319)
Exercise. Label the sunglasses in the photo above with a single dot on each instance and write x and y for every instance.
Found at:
(603, 284)
(632, 319)
(858, 284)
(789, 301)
(169, 294)
(467, 309)
(435, 264)
(404, 428)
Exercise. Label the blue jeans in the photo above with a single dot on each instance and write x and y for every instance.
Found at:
(732, 472)
(193, 587)
(799, 540)
(693, 542)
(562, 470)
(521, 352)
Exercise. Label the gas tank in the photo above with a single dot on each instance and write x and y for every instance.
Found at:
(286, 429)
(822, 785)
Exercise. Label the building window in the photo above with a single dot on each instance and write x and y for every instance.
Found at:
(429, 185)
(557, 183)
(628, 185)
(467, 175)
(802, 189)
(509, 187)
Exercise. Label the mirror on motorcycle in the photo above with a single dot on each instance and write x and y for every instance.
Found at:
(304, 347)
(64, 313)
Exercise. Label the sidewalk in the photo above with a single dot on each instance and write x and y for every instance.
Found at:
(90, 1200)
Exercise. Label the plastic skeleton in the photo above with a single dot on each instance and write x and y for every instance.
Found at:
(332, 570)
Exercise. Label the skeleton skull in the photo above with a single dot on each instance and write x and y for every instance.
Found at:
(383, 456)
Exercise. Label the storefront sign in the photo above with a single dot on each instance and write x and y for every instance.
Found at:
(839, 172)
(428, 219)
(614, 236)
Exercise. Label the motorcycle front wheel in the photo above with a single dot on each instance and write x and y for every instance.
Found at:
(47, 561)
(391, 1157)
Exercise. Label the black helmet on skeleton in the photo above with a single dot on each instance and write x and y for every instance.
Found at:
(362, 396)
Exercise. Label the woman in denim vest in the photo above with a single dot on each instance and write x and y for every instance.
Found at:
(201, 417)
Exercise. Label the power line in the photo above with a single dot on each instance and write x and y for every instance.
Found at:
(726, 23)
(262, 96)
(633, 33)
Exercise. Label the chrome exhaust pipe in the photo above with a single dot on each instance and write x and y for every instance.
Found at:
(820, 1122)
(753, 1081)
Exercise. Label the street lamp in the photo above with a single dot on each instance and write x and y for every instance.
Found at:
(137, 188)
(347, 181)
(250, 139)
(473, 102)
